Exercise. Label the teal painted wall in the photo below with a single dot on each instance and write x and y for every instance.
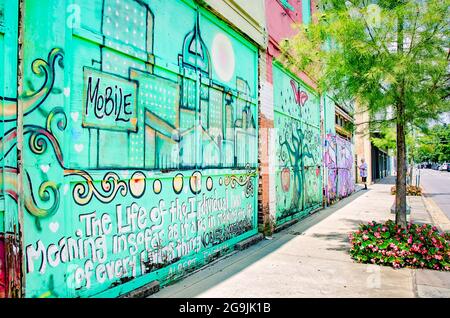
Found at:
(298, 147)
(140, 143)
(306, 11)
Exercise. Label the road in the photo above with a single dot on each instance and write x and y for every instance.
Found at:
(437, 185)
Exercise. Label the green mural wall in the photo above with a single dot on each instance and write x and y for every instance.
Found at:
(298, 147)
(140, 143)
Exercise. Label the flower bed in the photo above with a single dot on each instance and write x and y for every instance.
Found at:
(410, 190)
(418, 246)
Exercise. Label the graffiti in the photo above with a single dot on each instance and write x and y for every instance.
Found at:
(32, 100)
(111, 184)
(144, 162)
(345, 167)
(338, 159)
(292, 152)
(301, 97)
(139, 234)
(242, 180)
(297, 124)
(110, 99)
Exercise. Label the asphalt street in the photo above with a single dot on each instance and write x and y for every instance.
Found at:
(437, 185)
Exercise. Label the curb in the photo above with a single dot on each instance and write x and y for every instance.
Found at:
(437, 215)
(249, 242)
(144, 291)
(285, 225)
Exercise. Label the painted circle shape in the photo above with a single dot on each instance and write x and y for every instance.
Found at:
(178, 183)
(285, 179)
(209, 183)
(137, 184)
(223, 59)
(157, 186)
(195, 182)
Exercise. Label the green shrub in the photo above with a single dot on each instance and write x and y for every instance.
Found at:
(418, 246)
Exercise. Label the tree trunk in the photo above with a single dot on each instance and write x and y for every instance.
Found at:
(400, 197)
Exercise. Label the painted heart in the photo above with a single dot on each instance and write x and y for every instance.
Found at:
(78, 147)
(45, 168)
(54, 226)
(66, 91)
(74, 116)
(300, 96)
(303, 97)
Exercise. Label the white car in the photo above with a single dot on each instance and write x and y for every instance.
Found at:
(443, 167)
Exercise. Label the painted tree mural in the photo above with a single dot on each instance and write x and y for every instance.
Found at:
(293, 151)
(298, 151)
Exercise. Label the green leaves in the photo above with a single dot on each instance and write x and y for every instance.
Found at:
(434, 145)
(364, 54)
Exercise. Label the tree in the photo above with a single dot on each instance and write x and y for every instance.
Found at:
(390, 56)
(434, 145)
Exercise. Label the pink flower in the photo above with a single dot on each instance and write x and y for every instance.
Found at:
(410, 239)
(377, 234)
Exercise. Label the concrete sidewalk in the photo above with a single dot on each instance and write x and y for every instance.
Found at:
(310, 259)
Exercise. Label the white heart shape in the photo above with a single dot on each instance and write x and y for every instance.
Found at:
(45, 168)
(78, 147)
(74, 116)
(66, 91)
(65, 188)
(54, 226)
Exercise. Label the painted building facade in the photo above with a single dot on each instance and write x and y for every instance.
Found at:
(138, 154)
(380, 163)
(339, 152)
(290, 121)
(137, 146)
(307, 159)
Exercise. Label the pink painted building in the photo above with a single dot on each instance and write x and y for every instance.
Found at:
(281, 18)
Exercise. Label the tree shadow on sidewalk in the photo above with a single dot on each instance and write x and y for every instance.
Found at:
(386, 180)
(342, 238)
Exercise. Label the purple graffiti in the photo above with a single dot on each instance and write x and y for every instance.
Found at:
(338, 160)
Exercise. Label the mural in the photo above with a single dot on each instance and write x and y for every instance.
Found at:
(339, 162)
(10, 251)
(140, 154)
(297, 125)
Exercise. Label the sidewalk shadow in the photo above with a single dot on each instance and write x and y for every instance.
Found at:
(212, 275)
(342, 238)
(386, 180)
